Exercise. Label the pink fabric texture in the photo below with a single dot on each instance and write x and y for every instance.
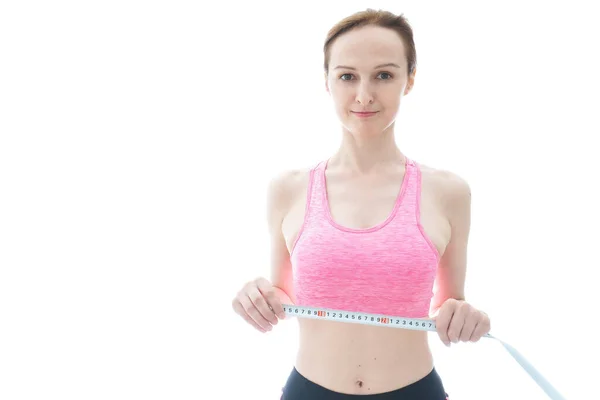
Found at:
(386, 269)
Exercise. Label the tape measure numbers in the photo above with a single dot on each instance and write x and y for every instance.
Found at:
(420, 324)
(361, 318)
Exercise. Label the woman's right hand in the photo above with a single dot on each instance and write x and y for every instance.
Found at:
(259, 304)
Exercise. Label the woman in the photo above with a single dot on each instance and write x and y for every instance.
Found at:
(367, 230)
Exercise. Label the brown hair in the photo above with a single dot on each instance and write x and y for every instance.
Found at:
(384, 19)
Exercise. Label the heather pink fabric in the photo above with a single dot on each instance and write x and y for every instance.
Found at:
(387, 269)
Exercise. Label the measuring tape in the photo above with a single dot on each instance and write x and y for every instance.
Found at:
(418, 324)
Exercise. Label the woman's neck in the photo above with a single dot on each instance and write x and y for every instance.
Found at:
(363, 154)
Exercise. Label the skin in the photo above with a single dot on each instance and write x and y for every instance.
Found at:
(368, 167)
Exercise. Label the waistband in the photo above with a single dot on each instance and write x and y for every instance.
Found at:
(430, 387)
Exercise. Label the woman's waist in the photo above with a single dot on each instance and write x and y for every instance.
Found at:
(356, 370)
(371, 349)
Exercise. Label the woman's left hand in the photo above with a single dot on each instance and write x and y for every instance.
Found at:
(457, 321)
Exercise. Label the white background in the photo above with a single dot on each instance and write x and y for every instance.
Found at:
(137, 140)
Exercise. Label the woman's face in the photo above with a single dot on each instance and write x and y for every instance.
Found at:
(368, 73)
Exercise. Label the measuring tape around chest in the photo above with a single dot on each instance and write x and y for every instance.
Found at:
(419, 324)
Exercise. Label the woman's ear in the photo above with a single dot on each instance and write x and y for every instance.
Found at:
(411, 82)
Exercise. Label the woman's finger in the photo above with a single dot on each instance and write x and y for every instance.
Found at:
(457, 322)
(469, 326)
(253, 313)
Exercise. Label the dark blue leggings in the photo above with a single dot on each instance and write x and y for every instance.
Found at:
(429, 387)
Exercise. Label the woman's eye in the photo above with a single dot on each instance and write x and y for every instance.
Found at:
(385, 76)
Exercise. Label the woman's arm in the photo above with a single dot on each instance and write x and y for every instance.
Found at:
(456, 320)
(279, 199)
(451, 273)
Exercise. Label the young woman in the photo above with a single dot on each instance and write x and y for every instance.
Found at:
(367, 230)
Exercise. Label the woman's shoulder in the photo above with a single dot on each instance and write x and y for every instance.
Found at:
(446, 183)
(290, 180)
(286, 186)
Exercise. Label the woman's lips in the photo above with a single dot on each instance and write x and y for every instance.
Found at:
(364, 114)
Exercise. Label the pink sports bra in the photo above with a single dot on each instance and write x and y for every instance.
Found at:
(387, 269)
